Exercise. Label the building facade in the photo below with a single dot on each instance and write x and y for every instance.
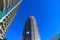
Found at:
(31, 30)
(8, 10)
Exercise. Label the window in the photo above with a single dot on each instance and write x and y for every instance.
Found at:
(13, 1)
(10, 2)
(27, 32)
(1, 25)
(6, 3)
(0, 32)
(1, 5)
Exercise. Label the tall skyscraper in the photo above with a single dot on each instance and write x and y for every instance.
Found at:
(30, 31)
(8, 10)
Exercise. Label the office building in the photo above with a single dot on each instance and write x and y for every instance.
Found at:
(8, 10)
(30, 31)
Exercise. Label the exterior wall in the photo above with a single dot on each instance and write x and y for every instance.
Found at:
(31, 30)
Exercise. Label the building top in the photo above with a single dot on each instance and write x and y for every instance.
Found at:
(30, 31)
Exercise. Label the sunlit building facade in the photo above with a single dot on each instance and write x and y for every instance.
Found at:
(8, 10)
(30, 31)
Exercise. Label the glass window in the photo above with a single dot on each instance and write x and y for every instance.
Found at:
(1, 5)
(0, 32)
(10, 2)
(6, 3)
(13, 1)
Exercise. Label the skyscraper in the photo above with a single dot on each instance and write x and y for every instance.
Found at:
(30, 31)
(8, 10)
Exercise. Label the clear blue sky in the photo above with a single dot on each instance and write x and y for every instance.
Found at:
(47, 13)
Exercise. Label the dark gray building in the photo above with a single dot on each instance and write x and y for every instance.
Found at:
(31, 30)
(57, 37)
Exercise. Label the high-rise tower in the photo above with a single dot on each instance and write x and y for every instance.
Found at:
(8, 10)
(31, 30)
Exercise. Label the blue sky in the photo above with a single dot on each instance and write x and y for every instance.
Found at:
(47, 14)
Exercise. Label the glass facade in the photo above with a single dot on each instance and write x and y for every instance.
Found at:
(1, 5)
